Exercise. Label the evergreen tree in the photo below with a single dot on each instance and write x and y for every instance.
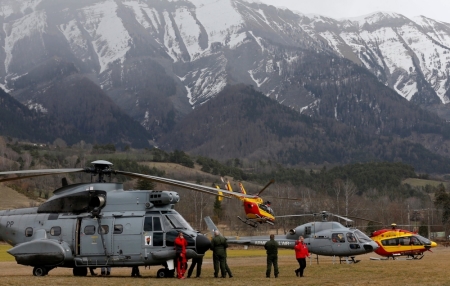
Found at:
(145, 185)
(218, 211)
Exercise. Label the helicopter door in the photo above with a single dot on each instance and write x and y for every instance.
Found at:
(96, 240)
(127, 235)
(338, 243)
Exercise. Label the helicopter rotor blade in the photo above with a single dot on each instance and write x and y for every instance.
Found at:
(294, 215)
(342, 217)
(377, 222)
(265, 187)
(185, 185)
(283, 198)
(37, 173)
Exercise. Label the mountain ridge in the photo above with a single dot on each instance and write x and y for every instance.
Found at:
(160, 61)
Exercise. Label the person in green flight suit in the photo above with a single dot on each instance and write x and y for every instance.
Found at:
(271, 247)
(218, 246)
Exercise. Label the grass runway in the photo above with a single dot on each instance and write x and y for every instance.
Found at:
(248, 267)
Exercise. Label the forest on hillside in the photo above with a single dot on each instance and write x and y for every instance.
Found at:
(372, 190)
(272, 132)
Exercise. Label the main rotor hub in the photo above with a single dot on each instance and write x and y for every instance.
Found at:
(100, 168)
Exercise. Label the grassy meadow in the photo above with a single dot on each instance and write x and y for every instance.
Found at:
(248, 267)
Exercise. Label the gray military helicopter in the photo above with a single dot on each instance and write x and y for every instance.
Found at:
(328, 238)
(99, 224)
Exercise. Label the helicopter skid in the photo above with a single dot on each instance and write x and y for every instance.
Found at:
(249, 222)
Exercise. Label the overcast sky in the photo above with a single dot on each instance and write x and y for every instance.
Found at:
(435, 9)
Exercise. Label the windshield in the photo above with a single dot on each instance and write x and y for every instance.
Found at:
(177, 221)
(424, 240)
(361, 236)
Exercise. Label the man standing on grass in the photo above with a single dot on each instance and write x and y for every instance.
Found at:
(272, 256)
(218, 246)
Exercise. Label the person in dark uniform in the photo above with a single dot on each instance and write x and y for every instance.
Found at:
(135, 272)
(91, 269)
(218, 246)
(271, 247)
(196, 261)
(106, 270)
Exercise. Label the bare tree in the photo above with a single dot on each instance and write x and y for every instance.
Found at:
(349, 190)
(337, 187)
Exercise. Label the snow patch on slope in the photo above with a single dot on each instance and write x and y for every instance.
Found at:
(218, 25)
(110, 38)
(189, 31)
(9, 7)
(144, 13)
(33, 23)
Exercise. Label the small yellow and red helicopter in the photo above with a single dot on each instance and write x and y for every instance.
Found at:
(256, 210)
(395, 242)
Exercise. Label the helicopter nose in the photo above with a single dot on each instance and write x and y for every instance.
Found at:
(371, 246)
(202, 244)
(432, 244)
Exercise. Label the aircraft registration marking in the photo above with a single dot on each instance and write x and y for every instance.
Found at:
(262, 242)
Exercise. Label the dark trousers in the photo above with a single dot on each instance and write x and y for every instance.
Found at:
(227, 269)
(198, 262)
(302, 263)
(135, 271)
(219, 260)
(272, 259)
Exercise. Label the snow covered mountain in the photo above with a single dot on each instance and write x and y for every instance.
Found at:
(196, 47)
(159, 59)
(412, 56)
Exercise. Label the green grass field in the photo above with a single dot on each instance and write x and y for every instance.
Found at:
(248, 268)
(421, 182)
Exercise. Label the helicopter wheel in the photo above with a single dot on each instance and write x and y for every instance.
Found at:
(161, 273)
(40, 271)
(79, 271)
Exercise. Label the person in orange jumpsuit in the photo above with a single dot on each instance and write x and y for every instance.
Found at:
(301, 252)
(180, 257)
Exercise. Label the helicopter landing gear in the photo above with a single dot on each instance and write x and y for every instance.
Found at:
(249, 222)
(165, 273)
(80, 271)
(40, 271)
(416, 256)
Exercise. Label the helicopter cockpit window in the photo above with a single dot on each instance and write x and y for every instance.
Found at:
(337, 237)
(152, 224)
(171, 235)
(118, 229)
(362, 237)
(158, 239)
(351, 237)
(157, 224)
(29, 231)
(148, 224)
(177, 221)
(55, 231)
(89, 230)
(422, 240)
(104, 229)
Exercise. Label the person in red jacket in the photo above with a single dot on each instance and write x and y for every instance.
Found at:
(301, 252)
(180, 257)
